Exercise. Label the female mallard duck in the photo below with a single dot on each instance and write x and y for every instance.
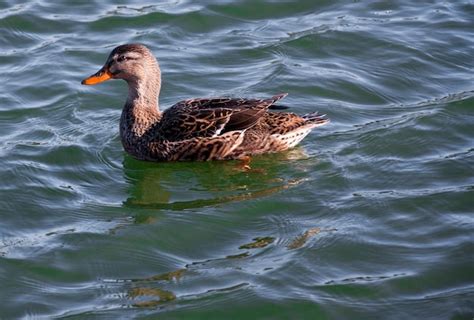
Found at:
(195, 129)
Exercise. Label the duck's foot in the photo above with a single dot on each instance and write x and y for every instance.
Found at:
(244, 163)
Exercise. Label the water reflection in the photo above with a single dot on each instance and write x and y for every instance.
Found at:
(190, 185)
(194, 185)
(157, 289)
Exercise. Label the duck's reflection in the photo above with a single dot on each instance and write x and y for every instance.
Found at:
(189, 185)
(193, 185)
(149, 292)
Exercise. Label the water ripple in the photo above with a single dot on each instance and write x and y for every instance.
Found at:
(370, 217)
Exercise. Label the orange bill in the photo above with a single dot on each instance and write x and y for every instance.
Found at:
(101, 76)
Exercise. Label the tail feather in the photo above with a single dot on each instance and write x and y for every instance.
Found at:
(315, 118)
(292, 137)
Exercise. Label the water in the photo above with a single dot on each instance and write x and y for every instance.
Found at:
(370, 218)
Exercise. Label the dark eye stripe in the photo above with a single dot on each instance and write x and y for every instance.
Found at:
(122, 58)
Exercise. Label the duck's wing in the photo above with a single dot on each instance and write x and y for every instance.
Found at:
(196, 118)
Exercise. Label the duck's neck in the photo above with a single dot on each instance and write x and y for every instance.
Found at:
(141, 111)
(143, 93)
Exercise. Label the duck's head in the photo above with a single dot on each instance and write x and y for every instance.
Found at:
(131, 62)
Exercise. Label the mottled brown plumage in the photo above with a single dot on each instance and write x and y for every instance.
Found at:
(195, 129)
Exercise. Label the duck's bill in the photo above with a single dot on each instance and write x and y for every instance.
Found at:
(101, 76)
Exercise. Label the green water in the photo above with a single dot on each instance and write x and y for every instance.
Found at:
(371, 217)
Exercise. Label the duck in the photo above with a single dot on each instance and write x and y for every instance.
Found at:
(198, 129)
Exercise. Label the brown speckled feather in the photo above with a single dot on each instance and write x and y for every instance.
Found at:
(212, 117)
(196, 129)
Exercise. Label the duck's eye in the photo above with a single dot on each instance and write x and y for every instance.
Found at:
(122, 58)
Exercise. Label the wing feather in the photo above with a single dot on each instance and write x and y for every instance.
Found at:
(212, 117)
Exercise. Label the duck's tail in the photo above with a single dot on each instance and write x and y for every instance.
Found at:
(292, 137)
(315, 119)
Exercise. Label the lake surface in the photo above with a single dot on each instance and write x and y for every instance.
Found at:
(371, 217)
